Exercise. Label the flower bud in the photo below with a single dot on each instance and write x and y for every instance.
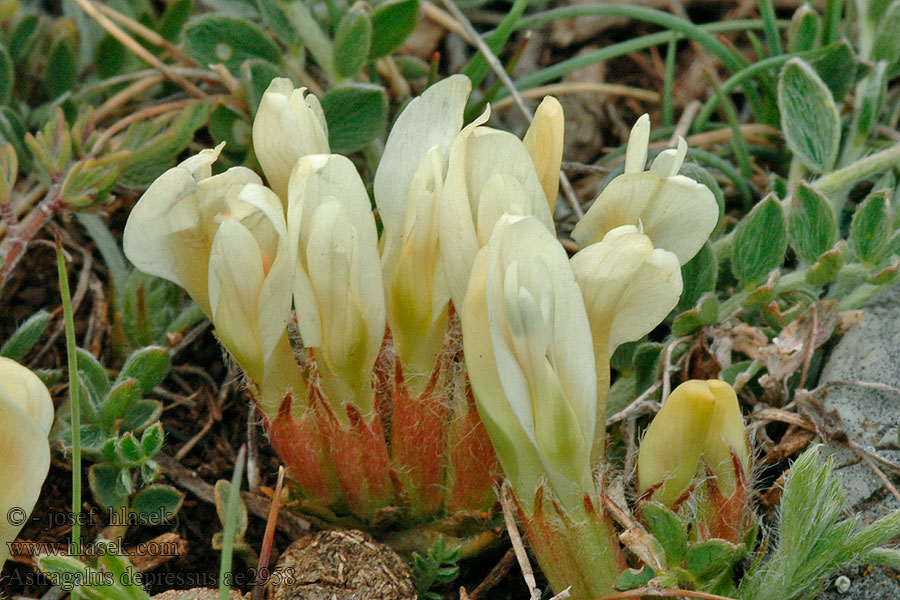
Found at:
(26, 415)
(544, 142)
(701, 420)
(169, 232)
(676, 212)
(289, 125)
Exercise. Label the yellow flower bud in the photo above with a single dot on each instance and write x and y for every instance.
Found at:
(701, 420)
(670, 452)
(26, 414)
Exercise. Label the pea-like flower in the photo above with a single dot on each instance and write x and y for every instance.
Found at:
(338, 293)
(170, 230)
(26, 415)
(674, 211)
(489, 173)
(629, 287)
(289, 125)
(528, 350)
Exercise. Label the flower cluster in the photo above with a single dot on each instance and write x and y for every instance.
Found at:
(539, 329)
(26, 415)
(351, 343)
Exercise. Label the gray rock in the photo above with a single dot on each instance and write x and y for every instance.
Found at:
(870, 352)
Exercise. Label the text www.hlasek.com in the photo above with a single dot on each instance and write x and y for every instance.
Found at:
(150, 548)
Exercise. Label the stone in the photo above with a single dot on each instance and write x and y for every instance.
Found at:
(868, 352)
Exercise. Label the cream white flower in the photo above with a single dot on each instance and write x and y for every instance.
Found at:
(26, 415)
(629, 287)
(490, 173)
(338, 293)
(532, 322)
(676, 212)
(251, 279)
(289, 124)
(408, 187)
(169, 232)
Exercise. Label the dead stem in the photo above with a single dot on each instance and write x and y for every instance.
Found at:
(146, 33)
(663, 593)
(518, 546)
(580, 87)
(129, 42)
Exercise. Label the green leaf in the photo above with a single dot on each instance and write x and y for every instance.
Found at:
(219, 39)
(256, 75)
(225, 125)
(646, 364)
(392, 22)
(66, 572)
(93, 439)
(173, 20)
(7, 76)
(128, 451)
(62, 68)
(26, 336)
(868, 104)
(887, 42)
(112, 58)
(121, 398)
(156, 504)
(356, 114)
(93, 375)
(278, 23)
(828, 266)
(24, 38)
(760, 241)
(739, 373)
(809, 117)
(142, 414)
(838, 68)
(412, 67)
(668, 531)
(812, 227)
(352, 41)
(698, 276)
(152, 440)
(706, 312)
(871, 226)
(148, 365)
(104, 483)
(631, 579)
(707, 559)
(806, 28)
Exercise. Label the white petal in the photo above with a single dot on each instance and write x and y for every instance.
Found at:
(544, 142)
(629, 287)
(622, 202)
(680, 216)
(668, 162)
(638, 141)
(24, 462)
(432, 119)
